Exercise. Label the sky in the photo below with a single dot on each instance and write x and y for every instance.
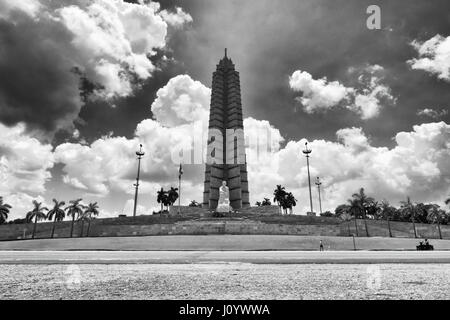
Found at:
(83, 83)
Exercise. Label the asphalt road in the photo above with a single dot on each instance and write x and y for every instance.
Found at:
(189, 257)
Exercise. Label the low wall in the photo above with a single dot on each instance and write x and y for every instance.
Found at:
(262, 210)
(185, 225)
(99, 229)
(62, 229)
(296, 219)
(205, 228)
(187, 211)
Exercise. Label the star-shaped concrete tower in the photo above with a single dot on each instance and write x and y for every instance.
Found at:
(226, 160)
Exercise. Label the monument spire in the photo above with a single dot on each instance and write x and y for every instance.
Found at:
(226, 160)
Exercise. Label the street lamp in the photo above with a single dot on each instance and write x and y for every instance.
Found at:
(139, 154)
(307, 152)
(318, 183)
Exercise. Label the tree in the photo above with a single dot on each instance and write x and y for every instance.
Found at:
(91, 210)
(345, 216)
(421, 213)
(365, 203)
(342, 209)
(74, 210)
(386, 211)
(290, 201)
(354, 209)
(166, 201)
(4, 211)
(279, 195)
(265, 202)
(436, 216)
(408, 211)
(172, 196)
(194, 204)
(37, 214)
(56, 214)
(372, 210)
(327, 214)
(161, 198)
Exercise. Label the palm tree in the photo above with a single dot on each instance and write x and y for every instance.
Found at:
(386, 212)
(345, 216)
(258, 203)
(194, 204)
(354, 208)
(279, 195)
(421, 212)
(75, 209)
(266, 202)
(284, 204)
(4, 211)
(372, 210)
(172, 195)
(364, 202)
(160, 198)
(409, 210)
(83, 217)
(37, 214)
(342, 209)
(290, 201)
(436, 215)
(166, 201)
(91, 210)
(56, 214)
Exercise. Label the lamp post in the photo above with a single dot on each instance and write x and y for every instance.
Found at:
(139, 154)
(307, 152)
(318, 183)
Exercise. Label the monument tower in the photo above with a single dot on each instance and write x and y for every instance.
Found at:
(226, 159)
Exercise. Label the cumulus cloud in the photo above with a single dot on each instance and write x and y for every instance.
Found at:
(182, 100)
(432, 113)
(322, 95)
(109, 164)
(22, 203)
(96, 167)
(100, 47)
(112, 39)
(416, 166)
(263, 143)
(9, 7)
(25, 165)
(176, 19)
(318, 95)
(24, 161)
(177, 134)
(434, 56)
